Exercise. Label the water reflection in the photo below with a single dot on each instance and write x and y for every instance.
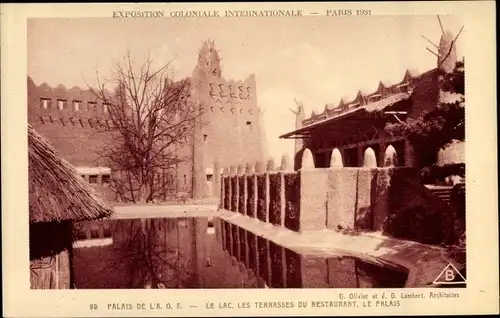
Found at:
(146, 253)
(351, 272)
(184, 253)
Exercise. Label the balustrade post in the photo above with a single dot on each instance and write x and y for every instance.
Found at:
(270, 171)
(285, 168)
(251, 191)
(226, 190)
(234, 189)
(241, 182)
(261, 191)
(276, 195)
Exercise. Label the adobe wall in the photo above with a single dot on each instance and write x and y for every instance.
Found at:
(231, 130)
(72, 132)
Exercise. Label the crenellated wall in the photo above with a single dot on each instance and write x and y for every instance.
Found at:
(412, 97)
(68, 118)
(384, 91)
(423, 87)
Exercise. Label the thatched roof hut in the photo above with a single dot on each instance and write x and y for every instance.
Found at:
(56, 191)
(58, 196)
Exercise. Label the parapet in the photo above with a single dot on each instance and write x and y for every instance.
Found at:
(384, 90)
(47, 101)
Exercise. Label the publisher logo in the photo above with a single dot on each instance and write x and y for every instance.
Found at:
(449, 275)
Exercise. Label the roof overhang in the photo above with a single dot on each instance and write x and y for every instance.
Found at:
(354, 115)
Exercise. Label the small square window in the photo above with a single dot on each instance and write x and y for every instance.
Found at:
(92, 106)
(61, 104)
(93, 178)
(45, 103)
(76, 105)
(105, 107)
(106, 179)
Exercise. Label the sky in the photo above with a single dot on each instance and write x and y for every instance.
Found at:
(315, 60)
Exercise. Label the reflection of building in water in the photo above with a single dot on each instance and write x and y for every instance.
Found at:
(147, 253)
(92, 233)
(231, 131)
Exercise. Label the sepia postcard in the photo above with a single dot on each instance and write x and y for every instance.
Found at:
(249, 159)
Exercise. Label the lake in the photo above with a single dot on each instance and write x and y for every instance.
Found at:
(184, 253)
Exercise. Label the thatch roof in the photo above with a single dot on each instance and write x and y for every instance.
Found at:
(56, 191)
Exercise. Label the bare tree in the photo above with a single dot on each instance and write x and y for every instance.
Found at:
(150, 117)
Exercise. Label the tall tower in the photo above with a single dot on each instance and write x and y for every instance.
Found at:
(207, 68)
(199, 78)
(230, 126)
